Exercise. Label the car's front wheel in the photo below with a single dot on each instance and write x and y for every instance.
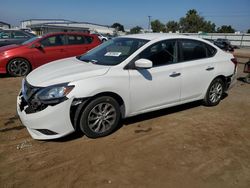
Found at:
(214, 93)
(18, 67)
(100, 117)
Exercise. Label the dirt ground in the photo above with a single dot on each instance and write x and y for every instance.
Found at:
(185, 146)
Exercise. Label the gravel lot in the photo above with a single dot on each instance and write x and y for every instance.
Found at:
(185, 146)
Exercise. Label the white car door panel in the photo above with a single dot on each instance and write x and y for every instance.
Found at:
(196, 75)
(154, 87)
(197, 69)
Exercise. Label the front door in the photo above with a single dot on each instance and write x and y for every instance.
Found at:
(159, 86)
(53, 48)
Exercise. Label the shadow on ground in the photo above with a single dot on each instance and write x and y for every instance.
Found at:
(5, 76)
(138, 118)
(142, 117)
(242, 79)
(159, 113)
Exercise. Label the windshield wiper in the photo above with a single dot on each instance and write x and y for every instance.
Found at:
(88, 60)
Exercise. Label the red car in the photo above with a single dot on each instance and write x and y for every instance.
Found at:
(19, 60)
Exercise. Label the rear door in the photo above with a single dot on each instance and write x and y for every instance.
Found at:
(198, 68)
(53, 48)
(78, 44)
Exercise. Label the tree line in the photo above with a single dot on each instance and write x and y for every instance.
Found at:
(191, 23)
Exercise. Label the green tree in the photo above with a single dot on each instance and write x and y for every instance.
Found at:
(135, 30)
(157, 26)
(248, 31)
(208, 27)
(172, 26)
(193, 23)
(225, 29)
(118, 26)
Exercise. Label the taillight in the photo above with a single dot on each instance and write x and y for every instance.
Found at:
(235, 62)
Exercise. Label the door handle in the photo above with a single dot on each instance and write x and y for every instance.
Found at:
(175, 74)
(210, 68)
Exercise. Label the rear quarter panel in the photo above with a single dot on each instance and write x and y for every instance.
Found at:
(224, 66)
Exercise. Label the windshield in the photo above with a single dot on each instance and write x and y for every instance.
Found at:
(30, 40)
(113, 52)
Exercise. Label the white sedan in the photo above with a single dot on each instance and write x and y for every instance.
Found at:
(123, 77)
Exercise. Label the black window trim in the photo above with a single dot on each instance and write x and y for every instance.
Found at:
(84, 36)
(131, 64)
(24, 34)
(203, 43)
(64, 40)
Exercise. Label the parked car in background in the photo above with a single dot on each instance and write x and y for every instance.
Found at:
(8, 37)
(102, 37)
(210, 40)
(123, 77)
(224, 44)
(28, 30)
(19, 60)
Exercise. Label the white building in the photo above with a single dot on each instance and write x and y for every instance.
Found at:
(42, 26)
(4, 25)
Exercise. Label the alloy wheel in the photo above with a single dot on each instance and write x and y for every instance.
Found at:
(102, 117)
(18, 67)
(215, 92)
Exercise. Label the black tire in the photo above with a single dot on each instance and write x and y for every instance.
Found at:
(100, 117)
(18, 67)
(214, 93)
(104, 40)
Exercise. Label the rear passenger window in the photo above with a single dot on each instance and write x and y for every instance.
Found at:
(211, 51)
(89, 39)
(78, 39)
(192, 50)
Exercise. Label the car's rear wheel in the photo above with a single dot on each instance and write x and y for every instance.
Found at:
(100, 117)
(18, 67)
(214, 93)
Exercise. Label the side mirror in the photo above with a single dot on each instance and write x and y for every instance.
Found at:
(37, 45)
(143, 64)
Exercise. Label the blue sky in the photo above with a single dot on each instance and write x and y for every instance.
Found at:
(127, 12)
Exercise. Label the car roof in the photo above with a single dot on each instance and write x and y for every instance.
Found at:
(12, 30)
(160, 36)
(67, 33)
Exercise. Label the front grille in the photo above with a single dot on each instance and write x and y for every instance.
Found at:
(23, 102)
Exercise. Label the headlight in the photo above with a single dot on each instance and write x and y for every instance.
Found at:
(54, 92)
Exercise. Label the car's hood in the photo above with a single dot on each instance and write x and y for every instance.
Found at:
(9, 47)
(64, 70)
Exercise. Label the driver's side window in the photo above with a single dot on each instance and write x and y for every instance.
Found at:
(161, 53)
